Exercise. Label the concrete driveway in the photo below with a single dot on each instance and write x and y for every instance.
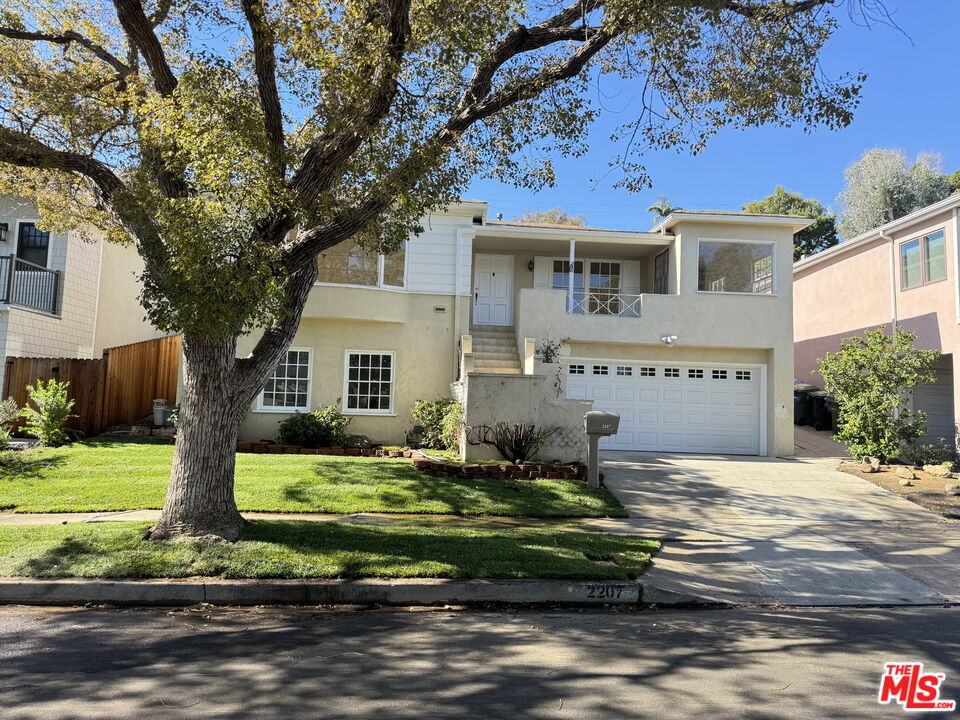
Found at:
(791, 531)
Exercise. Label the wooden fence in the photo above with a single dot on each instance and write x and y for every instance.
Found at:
(118, 388)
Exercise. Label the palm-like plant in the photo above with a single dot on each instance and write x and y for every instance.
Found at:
(662, 208)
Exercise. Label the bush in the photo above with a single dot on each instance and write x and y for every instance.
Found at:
(430, 415)
(451, 424)
(8, 413)
(52, 412)
(872, 378)
(942, 452)
(326, 427)
(516, 442)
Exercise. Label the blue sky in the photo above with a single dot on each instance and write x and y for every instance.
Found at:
(911, 100)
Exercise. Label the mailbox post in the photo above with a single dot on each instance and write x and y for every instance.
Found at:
(598, 424)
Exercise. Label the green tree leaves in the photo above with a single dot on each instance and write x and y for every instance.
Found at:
(872, 378)
(818, 236)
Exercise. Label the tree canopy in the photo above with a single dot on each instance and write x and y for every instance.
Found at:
(884, 185)
(818, 236)
(556, 216)
(662, 207)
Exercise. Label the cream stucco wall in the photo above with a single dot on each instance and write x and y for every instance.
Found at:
(423, 339)
(710, 327)
(120, 317)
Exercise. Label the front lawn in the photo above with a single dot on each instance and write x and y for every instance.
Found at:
(131, 474)
(305, 549)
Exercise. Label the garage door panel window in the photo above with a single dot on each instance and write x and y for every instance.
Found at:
(648, 372)
(731, 266)
(575, 369)
(601, 370)
(923, 260)
(288, 388)
(671, 372)
(624, 370)
(695, 374)
(369, 383)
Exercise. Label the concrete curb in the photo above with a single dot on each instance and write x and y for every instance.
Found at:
(426, 591)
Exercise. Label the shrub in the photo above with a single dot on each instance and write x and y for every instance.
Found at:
(549, 350)
(326, 427)
(430, 415)
(8, 413)
(872, 378)
(516, 442)
(52, 412)
(451, 424)
(942, 452)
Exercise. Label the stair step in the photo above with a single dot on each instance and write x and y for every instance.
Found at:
(495, 348)
(497, 371)
(492, 355)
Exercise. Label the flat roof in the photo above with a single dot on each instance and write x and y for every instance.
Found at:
(797, 222)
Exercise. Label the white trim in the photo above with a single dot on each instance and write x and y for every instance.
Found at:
(797, 223)
(260, 407)
(956, 262)
(951, 202)
(627, 237)
(392, 412)
(580, 359)
(773, 266)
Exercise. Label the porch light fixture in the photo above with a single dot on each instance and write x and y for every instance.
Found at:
(3, 232)
(530, 265)
(668, 340)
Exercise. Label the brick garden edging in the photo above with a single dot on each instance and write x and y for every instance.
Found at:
(431, 466)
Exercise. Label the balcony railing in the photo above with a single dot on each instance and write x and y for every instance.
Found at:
(616, 304)
(28, 285)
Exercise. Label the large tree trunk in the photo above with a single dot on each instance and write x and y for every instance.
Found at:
(217, 392)
(200, 502)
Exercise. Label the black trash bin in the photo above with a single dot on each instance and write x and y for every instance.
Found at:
(821, 415)
(802, 405)
(833, 407)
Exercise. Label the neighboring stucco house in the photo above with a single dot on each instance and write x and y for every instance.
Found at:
(901, 274)
(686, 331)
(64, 295)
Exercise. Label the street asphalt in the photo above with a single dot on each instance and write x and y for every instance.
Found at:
(272, 663)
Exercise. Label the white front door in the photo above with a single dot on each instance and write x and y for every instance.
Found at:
(674, 408)
(493, 290)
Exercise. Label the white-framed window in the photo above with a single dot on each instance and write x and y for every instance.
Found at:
(601, 369)
(695, 373)
(923, 260)
(742, 375)
(718, 374)
(624, 370)
(737, 266)
(288, 388)
(575, 369)
(671, 372)
(369, 380)
(648, 372)
(350, 264)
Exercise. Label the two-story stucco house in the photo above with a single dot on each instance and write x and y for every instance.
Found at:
(65, 295)
(901, 274)
(686, 331)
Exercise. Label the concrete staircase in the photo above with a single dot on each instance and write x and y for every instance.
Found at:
(495, 349)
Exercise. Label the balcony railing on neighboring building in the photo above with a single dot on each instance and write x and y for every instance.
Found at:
(617, 304)
(27, 285)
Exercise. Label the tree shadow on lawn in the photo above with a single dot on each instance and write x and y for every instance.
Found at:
(16, 467)
(393, 486)
(353, 551)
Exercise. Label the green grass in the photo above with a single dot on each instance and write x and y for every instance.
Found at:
(321, 550)
(131, 473)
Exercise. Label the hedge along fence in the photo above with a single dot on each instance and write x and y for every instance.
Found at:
(430, 466)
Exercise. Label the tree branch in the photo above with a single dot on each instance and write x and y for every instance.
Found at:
(139, 30)
(67, 38)
(321, 162)
(758, 11)
(22, 150)
(265, 67)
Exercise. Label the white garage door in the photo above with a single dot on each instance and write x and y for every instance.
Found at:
(673, 408)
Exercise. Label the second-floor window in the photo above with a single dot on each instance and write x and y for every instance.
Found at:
(33, 245)
(735, 266)
(350, 264)
(923, 260)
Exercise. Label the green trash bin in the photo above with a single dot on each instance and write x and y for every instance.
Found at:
(802, 405)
